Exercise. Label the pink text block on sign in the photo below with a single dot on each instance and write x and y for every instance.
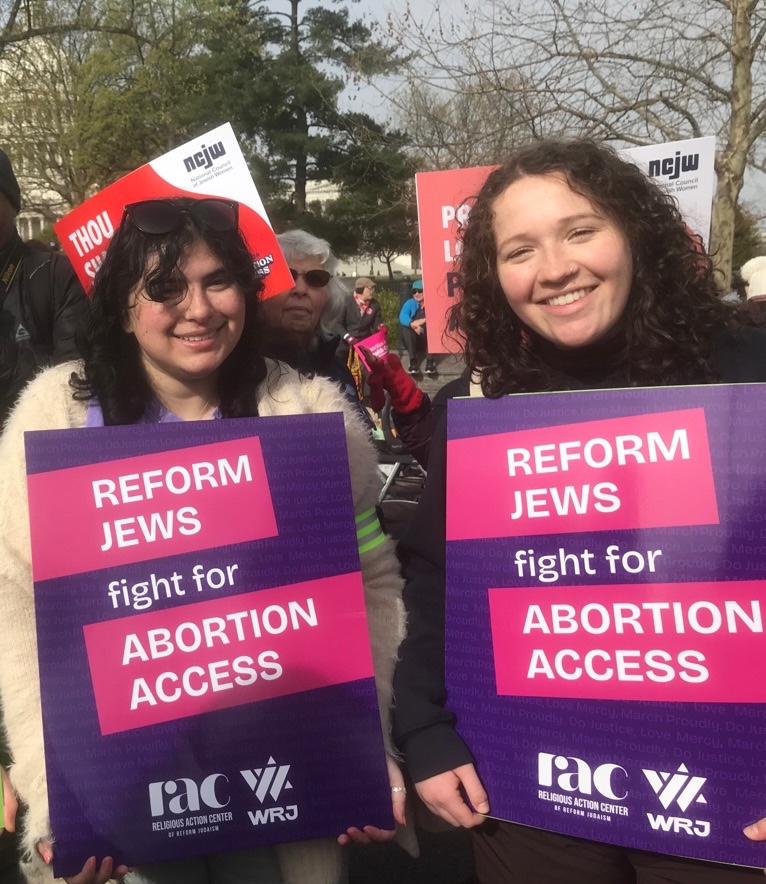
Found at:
(671, 642)
(186, 660)
(647, 471)
(138, 508)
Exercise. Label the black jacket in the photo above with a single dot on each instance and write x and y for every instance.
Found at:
(358, 325)
(424, 729)
(40, 314)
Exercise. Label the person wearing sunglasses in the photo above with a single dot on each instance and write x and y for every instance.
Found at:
(175, 334)
(301, 322)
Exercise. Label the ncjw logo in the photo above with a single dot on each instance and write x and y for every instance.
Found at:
(682, 790)
(571, 774)
(270, 782)
(671, 167)
(204, 157)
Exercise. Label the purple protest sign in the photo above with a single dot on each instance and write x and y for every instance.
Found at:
(205, 666)
(606, 584)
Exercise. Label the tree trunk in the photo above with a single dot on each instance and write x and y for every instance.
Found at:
(722, 230)
(301, 157)
(732, 161)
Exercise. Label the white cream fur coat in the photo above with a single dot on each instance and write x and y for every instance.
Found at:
(46, 404)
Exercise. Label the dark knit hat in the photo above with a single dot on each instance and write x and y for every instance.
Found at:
(8, 183)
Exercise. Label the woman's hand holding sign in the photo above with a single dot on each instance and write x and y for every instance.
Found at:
(92, 872)
(443, 796)
(757, 830)
(372, 834)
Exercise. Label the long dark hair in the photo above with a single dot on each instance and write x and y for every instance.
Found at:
(674, 314)
(113, 371)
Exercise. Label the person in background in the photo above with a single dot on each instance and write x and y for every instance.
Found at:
(738, 292)
(577, 272)
(42, 307)
(175, 334)
(361, 316)
(753, 272)
(301, 323)
(412, 319)
(42, 304)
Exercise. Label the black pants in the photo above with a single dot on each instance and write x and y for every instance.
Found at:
(416, 344)
(506, 853)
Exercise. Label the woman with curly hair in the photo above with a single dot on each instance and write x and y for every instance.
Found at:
(577, 272)
(175, 335)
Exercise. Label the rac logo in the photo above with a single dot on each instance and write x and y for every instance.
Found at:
(187, 796)
(571, 774)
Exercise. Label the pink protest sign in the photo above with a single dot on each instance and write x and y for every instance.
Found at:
(377, 344)
(605, 602)
(155, 667)
(209, 166)
(204, 657)
(583, 477)
(666, 642)
(444, 203)
(137, 508)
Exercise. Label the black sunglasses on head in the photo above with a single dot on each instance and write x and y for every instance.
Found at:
(157, 217)
(315, 278)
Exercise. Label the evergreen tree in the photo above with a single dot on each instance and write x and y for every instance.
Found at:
(292, 115)
(374, 215)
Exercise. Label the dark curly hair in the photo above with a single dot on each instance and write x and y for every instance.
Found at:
(674, 313)
(113, 370)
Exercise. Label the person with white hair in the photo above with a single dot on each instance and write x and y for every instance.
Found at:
(754, 274)
(301, 321)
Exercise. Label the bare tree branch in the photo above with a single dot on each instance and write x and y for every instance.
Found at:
(626, 71)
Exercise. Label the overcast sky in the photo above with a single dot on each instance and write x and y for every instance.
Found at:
(374, 101)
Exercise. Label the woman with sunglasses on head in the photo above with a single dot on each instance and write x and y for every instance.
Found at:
(175, 335)
(577, 272)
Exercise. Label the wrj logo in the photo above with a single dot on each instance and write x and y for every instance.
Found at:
(270, 782)
(682, 790)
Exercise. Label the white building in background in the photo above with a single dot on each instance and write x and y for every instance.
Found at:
(39, 207)
(402, 265)
(28, 139)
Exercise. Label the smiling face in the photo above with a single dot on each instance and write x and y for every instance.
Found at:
(296, 312)
(185, 340)
(564, 267)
